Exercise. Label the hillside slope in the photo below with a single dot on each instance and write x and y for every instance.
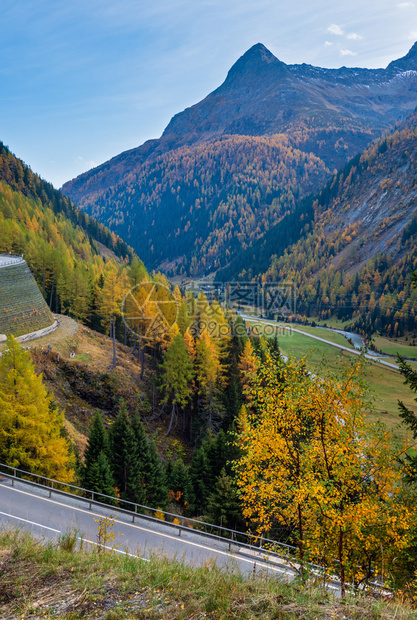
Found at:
(229, 167)
(67, 250)
(354, 245)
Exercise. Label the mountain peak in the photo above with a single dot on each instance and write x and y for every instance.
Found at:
(407, 62)
(257, 58)
(258, 51)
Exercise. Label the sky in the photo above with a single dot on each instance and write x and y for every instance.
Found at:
(83, 80)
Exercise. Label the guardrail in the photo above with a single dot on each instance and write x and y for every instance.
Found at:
(230, 537)
(287, 553)
(12, 259)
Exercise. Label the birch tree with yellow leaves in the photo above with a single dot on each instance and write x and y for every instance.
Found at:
(312, 464)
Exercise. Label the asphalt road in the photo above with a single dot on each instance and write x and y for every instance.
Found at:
(31, 508)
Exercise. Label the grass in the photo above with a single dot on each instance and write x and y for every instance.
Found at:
(45, 580)
(393, 347)
(326, 334)
(386, 385)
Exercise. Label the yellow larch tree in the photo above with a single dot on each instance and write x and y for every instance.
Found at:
(111, 296)
(30, 426)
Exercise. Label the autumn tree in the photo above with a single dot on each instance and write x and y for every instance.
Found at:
(210, 380)
(312, 465)
(30, 425)
(116, 285)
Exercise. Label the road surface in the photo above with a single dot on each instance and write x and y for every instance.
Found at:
(31, 508)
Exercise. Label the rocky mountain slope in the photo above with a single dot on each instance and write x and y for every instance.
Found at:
(232, 165)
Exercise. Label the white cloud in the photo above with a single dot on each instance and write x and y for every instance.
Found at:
(353, 36)
(413, 35)
(90, 164)
(405, 5)
(335, 29)
(327, 43)
(347, 53)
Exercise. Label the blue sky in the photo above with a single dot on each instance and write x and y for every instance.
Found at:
(84, 80)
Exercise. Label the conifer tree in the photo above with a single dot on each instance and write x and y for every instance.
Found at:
(116, 285)
(233, 396)
(224, 504)
(126, 464)
(153, 471)
(30, 426)
(177, 376)
(217, 454)
(97, 475)
(200, 474)
(155, 479)
(409, 417)
(178, 482)
(101, 479)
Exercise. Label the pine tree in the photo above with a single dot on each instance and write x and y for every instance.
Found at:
(155, 479)
(217, 454)
(178, 483)
(153, 471)
(233, 396)
(200, 475)
(97, 475)
(126, 465)
(30, 426)
(409, 417)
(224, 505)
(101, 479)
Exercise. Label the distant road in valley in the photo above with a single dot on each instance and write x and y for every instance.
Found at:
(333, 344)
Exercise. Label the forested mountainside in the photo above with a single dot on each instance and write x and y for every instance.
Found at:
(231, 166)
(63, 246)
(351, 249)
(201, 205)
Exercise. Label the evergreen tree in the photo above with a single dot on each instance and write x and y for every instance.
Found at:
(223, 504)
(200, 475)
(409, 417)
(30, 426)
(155, 479)
(153, 471)
(97, 475)
(217, 454)
(101, 479)
(177, 375)
(232, 395)
(126, 464)
(179, 484)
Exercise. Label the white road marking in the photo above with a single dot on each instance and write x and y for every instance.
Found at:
(45, 527)
(143, 529)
